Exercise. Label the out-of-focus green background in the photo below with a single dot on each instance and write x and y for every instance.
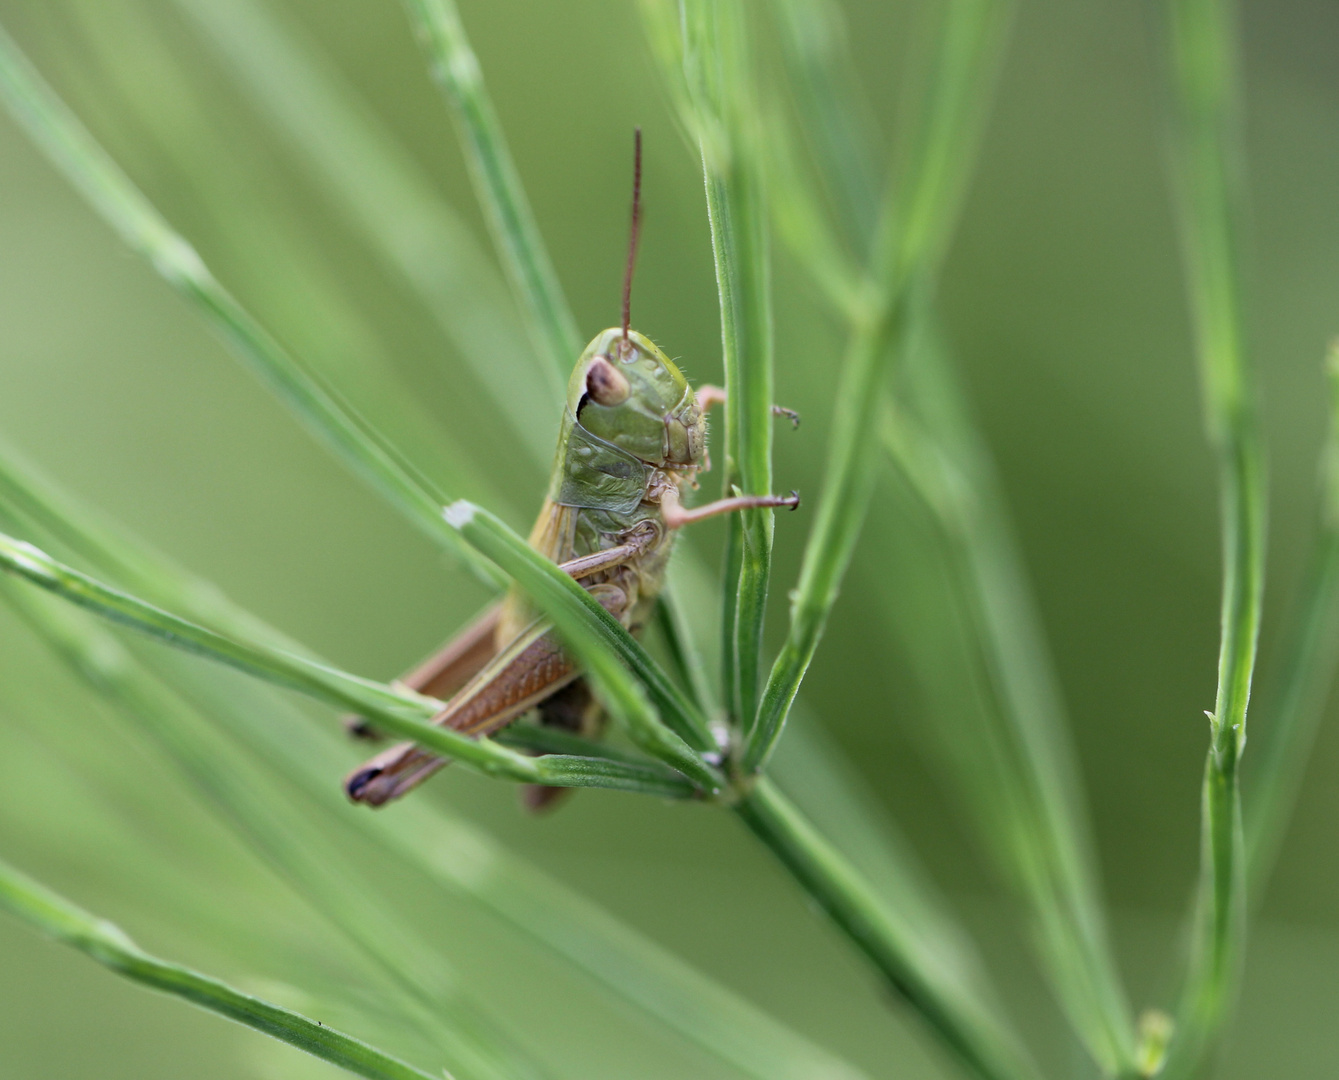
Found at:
(1063, 302)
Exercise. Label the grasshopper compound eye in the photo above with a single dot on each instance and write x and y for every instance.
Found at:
(605, 384)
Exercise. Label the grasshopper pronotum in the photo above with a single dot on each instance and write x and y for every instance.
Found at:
(633, 433)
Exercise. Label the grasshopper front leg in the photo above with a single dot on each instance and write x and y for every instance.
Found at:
(676, 517)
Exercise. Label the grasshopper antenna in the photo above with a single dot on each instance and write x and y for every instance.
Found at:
(636, 229)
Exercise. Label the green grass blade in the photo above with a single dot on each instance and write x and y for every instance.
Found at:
(917, 971)
(496, 181)
(840, 131)
(1029, 792)
(386, 195)
(280, 833)
(916, 228)
(704, 54)
(106, 943)
(401, 712)
(1294, 705)
(74, 151)
(1202, 47)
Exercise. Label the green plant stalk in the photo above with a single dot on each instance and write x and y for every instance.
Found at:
(460, 859)
(1294, 710)
(277, 832)
(837, 122)
(1292, 715)
(74, 151)
(1202, 45)
(970, 1033)
(401, 712)
(106, 943)
(496, 181)
(702, 49)
(1038, 769)
(908, 248)
(1036, 801)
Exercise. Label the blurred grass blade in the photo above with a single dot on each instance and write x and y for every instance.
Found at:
(129, 563)
(106, 943)
(133, 70)
(496, 181)
(1202, 43)
(910, 243)
(463, 861)
(704, 51)
(401, 712)
(1027, 789)
(840, 131)
(911, 964)
(278, 832)
(383, 191)
(1293, 706)
(74, 151)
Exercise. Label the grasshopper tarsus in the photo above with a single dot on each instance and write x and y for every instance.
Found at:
(789, 414)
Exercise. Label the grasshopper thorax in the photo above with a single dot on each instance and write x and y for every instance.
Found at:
(629, 411)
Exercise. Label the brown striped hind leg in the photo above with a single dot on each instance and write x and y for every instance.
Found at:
(526, 672)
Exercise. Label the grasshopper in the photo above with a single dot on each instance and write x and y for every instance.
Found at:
(633, 435)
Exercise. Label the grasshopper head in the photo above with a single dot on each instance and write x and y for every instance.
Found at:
(629, 393)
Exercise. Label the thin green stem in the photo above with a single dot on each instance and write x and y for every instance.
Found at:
(1030, 801)
(402, 712)
(496, 181)
(106, 943)
(839, 129)
(845, 492)
(909, 245)
(1293, 711)
(85, 164)
(1203, 57)
(703, 48)
(973, 1035)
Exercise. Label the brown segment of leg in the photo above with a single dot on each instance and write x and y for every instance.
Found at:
(523, 675)
(448, 669)
(498, 695)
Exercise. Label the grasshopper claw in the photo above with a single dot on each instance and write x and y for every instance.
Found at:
(789, 414)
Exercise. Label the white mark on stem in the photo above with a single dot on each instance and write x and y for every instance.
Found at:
(459, 514)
